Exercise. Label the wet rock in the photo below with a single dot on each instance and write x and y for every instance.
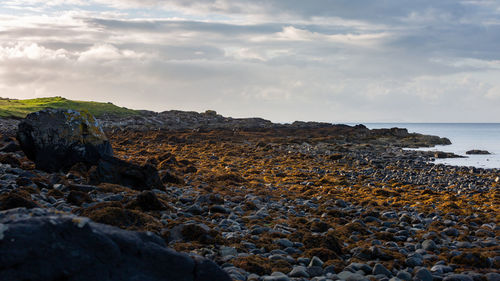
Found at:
(117, 171)
(43, 245)
(477, 152)
(56, 139)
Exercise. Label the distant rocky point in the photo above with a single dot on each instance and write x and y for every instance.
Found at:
(111, 117)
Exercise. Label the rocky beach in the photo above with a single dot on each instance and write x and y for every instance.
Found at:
(198, 196)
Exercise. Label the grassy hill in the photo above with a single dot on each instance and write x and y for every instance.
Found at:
(20, 108)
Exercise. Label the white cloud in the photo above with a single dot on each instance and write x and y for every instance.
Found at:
(283, 60)
(103, 52)
(31, 51)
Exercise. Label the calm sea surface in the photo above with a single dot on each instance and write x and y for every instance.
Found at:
(463, 136)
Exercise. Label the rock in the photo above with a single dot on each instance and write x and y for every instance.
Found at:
(283, 242)
(477, 151)
(11, 146)
(315, 261)
(451, 231)
(414, 261)
(228, 251)
(219, 209)
(192, 232)
(440, 268)
(56, 139)
(44, 245)
(404, 275)
(8, 158)
(12, 200)
(113, 170)
(423, 274)
(114, 214)
(299, 271)
(78, 197)
(148, 201)
(276, 276)
(492, 276)
(429, 245)
(458, 277)
(380, 269)
(471, 259)
(315, 271)
(349, 276)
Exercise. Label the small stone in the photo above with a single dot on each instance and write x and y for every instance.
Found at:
(299, 271)
(458, 277)
(228, 251)
(451, 231)
(329, 269)
(315, 271)
(440, 268)
(219, 209)
(283, 242)
(414, 261)
(380, 269)
(423, 274)
(404, 275)
(315, 261)
(492, 276)
(350, 276)
(429, 245)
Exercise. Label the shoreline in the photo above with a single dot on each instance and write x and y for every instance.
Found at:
(313, 202)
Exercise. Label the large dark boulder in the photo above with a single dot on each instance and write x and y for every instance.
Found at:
(113, 170)
(56, 139)
(44, 245)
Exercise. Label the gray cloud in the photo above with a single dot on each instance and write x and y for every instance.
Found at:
(283, 60)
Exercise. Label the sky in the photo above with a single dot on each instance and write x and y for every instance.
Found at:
(283, 60)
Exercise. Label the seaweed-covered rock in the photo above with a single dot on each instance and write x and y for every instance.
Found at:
(56, 139)
(113, 170)
(45, 245)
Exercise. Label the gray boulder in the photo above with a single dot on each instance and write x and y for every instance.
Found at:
(44, 245)
(56, 139)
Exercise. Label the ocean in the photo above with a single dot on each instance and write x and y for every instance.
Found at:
(463, 136)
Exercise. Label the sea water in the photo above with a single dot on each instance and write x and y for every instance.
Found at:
(463, 136)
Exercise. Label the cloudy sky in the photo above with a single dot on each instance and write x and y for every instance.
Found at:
(284, 60)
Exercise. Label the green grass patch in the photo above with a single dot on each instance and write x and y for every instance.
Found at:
(20, 108)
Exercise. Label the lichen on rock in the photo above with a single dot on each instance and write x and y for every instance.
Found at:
(56, 139)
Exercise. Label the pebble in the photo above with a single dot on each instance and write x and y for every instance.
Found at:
(423, 274)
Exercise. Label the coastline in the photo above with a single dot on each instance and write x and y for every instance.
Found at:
(305, 200)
